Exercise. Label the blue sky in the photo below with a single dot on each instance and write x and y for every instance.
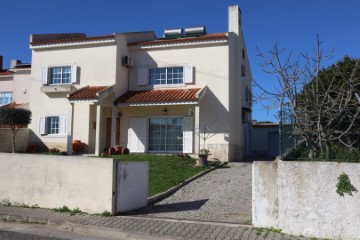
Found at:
(292, 23)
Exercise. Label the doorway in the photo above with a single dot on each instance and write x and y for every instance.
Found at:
(108, 132)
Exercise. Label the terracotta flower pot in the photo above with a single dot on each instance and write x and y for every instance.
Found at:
(77, 146)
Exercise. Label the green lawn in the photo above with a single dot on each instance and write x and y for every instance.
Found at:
(166, 171)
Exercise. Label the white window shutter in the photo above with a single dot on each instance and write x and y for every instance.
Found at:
(63, 124)
(73, 74)
(143, 76)
(188, 135)
(42, 125)
(44, 75)
(137, 134)
(188, 74)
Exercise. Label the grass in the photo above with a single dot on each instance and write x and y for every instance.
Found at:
(166, 171)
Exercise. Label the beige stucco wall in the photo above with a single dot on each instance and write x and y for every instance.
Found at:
(6, 85)
(21, 87)
(300, 198)
(55, 181)
(21, 140)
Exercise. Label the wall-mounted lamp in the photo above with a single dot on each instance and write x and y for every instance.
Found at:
(190, 112)
(165, 111)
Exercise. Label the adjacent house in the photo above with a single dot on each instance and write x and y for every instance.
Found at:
(15, 84)
(142, 92)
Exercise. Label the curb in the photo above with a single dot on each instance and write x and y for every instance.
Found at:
(170, 191)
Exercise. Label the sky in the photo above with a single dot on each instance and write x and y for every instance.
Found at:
(292, 24)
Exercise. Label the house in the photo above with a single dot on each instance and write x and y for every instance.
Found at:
(141, 92)
(15, 84)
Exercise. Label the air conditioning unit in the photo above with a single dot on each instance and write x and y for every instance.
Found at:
(128, 62)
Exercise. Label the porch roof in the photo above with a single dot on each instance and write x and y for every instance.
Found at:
(160, 96)
(87, 93)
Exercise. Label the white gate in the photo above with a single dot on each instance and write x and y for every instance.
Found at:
(131, 185)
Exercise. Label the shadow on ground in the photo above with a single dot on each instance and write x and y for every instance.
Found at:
(170, 207)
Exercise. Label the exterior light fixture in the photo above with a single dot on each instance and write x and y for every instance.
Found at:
(165, 111)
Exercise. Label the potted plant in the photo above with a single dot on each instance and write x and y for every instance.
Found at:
(203, 156)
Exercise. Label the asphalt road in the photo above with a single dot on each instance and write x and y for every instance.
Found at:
(8, 235)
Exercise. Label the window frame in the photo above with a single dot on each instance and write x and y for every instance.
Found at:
(46, 126)
(62, 72)
(166, 74)
(2, 96)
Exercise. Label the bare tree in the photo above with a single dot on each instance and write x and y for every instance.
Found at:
(321, 101)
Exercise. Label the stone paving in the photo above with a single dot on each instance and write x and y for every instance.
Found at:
(223, 195)
(209, 198)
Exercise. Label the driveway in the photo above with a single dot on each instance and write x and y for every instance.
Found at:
(223, 195)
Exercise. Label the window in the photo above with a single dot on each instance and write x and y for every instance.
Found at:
(5, 97)
(55, 125)
(166, 76)
(60, 75)
(166, 134)
(243, 70)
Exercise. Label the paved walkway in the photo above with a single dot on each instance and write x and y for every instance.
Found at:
(218, 199)
(223, 195)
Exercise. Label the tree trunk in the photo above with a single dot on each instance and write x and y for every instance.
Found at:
(13, 132)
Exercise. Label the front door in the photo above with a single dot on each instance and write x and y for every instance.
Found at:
(108, 132)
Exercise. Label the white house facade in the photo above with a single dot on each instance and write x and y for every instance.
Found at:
(147, 94)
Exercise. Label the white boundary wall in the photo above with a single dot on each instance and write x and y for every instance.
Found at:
(55, 181)
(300, 198)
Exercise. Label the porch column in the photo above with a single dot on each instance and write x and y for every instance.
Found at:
(196, 125)
(70, 131)
(98, 127)
(113, 125)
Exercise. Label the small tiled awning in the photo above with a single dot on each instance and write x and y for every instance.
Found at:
(87, 93)
(188, 95)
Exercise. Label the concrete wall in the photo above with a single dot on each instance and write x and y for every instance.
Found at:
(300, 198)
(55, 181)
(21, 140)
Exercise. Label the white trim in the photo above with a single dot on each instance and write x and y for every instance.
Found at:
(166, 45)
(82, 43)
(157, 104)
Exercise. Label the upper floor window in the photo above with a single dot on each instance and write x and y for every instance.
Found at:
(166, 76)
(163, 76)
(59, 75)
(5, 98)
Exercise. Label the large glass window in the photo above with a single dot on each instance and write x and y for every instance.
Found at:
(164, 76)
(53, 127)
(5, 97)
(166, 134)
(60, 75)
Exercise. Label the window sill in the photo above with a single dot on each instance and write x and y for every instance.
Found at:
(168, 85)
(66, 88)
(53, 135)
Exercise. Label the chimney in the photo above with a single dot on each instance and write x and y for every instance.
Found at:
(1, 63)
(14, 62)
(235, 19)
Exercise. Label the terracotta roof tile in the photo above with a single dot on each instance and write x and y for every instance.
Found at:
(86, 93)
(79, 39)
(213, 36)
(6, 73)
(169, 95)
